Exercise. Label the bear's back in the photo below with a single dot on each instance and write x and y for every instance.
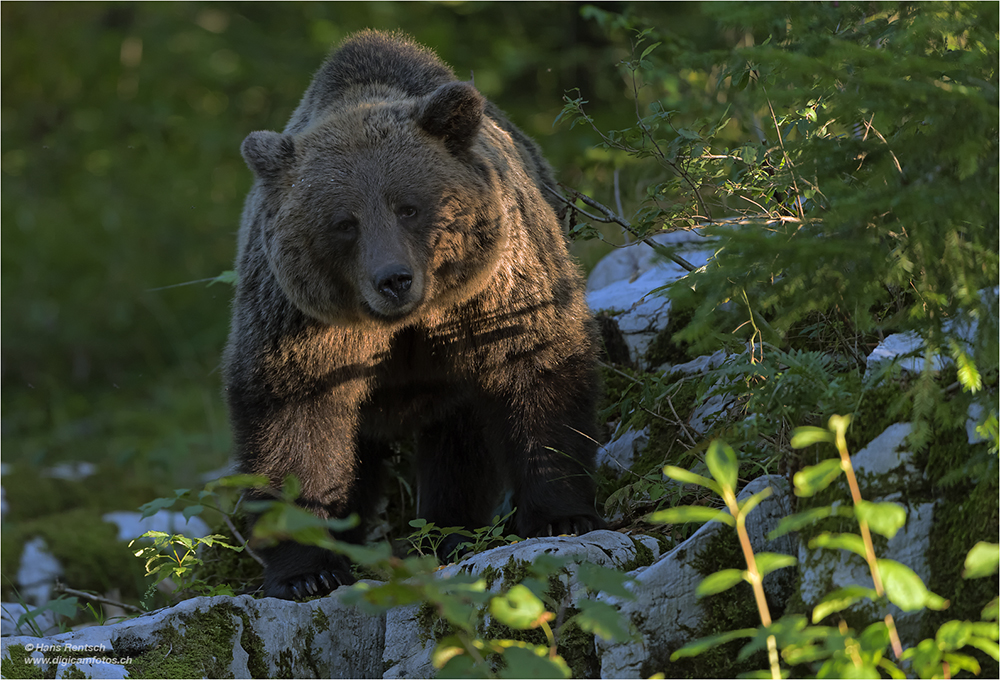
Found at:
(366, 59)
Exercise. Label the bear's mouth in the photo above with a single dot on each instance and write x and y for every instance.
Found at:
(391, 314)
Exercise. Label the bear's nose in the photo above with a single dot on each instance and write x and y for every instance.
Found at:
(393, 282)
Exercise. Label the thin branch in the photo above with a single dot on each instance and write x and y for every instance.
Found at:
(243, 541)
(663, 157)
(611, 216)
(60, 588)
(781, 143)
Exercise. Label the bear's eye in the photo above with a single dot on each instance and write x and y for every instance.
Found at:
(407, 211)
(346, 225)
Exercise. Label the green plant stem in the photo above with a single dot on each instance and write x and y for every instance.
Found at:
(866, 536)
(754, 577)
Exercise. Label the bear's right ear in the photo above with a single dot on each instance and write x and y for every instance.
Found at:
(268, 153)
(454, 113)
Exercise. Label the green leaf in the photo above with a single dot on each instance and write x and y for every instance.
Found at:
(519, 608)
(988, 646)
(645, 52)
(721, 462)
(602, 579)
(841, 599)
(691, 513)
(768, 562)
(192, 510)
(719, 581)
(953, 635)
(925, 657)
(532, 662)
(983, 560)
(812, 479)
(991, 612)
(687, 477)
(229, 277)
(808, 435)
(745, 507)
(905, 589)
(851, 542)
(883, 518)
(240, 482)
(803, 519)
(704, 644)
(154, 506)
(603, 620)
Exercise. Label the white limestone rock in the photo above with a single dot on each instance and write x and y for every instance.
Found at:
(37, 572)
(132, 525)
(665, 610)
(621, 452)
(621, 285)
(270, 638)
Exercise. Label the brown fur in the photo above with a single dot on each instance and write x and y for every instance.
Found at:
(401, 275)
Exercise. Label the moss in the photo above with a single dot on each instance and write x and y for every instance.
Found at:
(87, 547)
(31, 495)
(203, 649)
(18, 666)
(968, 513)
(643, 556)
(73, 672)
(253, 644)
(730, 610)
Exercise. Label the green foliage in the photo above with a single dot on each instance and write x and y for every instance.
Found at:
(428, 537)
(816, 210)
(175, 557)
(828, 651)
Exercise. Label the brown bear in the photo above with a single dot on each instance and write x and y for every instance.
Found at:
(402, 276)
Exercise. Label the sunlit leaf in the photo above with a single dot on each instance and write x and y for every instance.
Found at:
(808, 435)
(721, 462)
(851, 542)
(883, 518)
(841, 599)
(983, 560)
(719, 581)
(905, 589)
(688, 477)
(519, 608)
(814, 478)
(768, 562)
(691, 513)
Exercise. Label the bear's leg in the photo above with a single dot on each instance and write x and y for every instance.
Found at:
(313, 439)
(548, 435)
(296, 571)
(459, 480)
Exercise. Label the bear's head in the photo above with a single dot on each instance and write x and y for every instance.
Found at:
(385, 206)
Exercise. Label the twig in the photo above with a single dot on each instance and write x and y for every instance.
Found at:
(791, 166)
(60, 588)
(663, 157)
(694, 442)
(611, 216)
(243, 541)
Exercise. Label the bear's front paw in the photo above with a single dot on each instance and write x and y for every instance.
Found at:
(309, 585)
(295, 572)
(576, 524)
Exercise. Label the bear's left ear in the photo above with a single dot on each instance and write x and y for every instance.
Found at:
(454, 113)
(268, 153)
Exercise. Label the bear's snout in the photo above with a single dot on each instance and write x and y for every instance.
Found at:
(393, 283)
